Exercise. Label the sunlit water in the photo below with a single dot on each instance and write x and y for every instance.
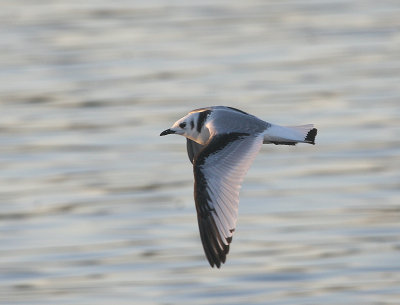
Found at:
(96, 208)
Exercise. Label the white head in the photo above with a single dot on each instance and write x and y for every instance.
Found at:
(191, 126)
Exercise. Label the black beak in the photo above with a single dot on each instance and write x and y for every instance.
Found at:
(165, 132)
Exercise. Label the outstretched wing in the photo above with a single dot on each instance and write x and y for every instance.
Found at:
(219, 170)
(193, 149)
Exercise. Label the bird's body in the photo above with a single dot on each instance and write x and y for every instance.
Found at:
(222, 142)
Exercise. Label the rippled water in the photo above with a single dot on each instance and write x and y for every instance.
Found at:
(96, 208)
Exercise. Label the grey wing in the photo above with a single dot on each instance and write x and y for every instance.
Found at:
(193, 149)
(219, 170)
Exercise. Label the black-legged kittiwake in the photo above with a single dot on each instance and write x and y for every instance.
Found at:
(222, 142)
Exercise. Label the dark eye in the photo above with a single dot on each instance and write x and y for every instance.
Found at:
(182, 125)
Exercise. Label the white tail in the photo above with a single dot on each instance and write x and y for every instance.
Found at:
(290, 135)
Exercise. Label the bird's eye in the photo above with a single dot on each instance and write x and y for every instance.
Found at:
(182, 125)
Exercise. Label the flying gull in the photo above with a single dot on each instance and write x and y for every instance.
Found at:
(222, 142)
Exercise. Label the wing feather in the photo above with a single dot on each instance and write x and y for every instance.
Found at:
(219, 169)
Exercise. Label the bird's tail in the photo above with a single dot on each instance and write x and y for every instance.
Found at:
(290, 135)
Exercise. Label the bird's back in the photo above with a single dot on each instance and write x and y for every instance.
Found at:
(227, 120)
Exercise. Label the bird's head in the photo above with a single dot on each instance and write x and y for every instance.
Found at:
(191, 126)
(181, 127)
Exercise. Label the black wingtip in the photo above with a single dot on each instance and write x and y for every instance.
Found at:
(310, 138)
(214, 246)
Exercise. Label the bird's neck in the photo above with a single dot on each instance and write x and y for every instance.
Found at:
(202, 137)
